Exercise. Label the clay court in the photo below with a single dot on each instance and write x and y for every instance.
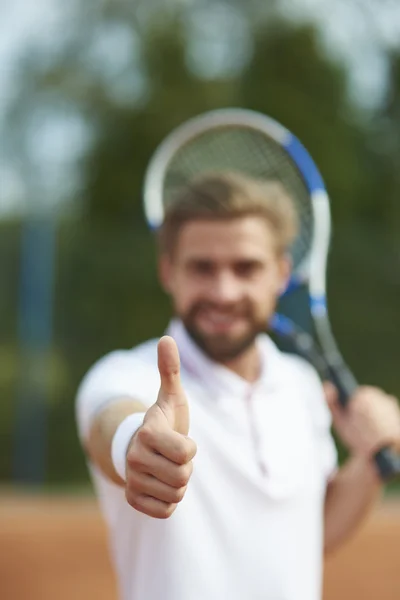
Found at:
(55, 549)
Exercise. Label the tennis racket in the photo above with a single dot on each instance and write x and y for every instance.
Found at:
(253, 144)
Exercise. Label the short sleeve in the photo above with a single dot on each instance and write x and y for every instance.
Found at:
(123, 373)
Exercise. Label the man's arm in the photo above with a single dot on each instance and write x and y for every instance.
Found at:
(370, 421)
(158, 460)
(105, 424)
(350, 496)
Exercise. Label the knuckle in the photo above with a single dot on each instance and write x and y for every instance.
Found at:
(182, 455)
(372, 390)
(186, 452)
(360, 391)
(172, 372)
(180, 480)
(183, 475)
(133, 482)
(160, 512)
(366, 393)
(145, 434)
(192, 448)
(167, 511)
(178, 494)
(134, 460)
(132, 499)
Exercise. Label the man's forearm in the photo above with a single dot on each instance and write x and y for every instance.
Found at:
(98, 445)
(350, 497)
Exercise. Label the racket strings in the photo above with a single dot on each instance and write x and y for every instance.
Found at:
(246, 151)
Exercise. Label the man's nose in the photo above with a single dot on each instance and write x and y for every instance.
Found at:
(225, 287)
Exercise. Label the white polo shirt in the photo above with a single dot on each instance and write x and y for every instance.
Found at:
(251, 524)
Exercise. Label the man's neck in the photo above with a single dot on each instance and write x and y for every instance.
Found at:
(247, 365)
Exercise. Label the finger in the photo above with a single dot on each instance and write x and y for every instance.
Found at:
(147, 485)
(394, 401)
(163, 469)
(333, 403)
(169, 443)
(331, 395)
(169, 366)
(171, 398)
(150, 506)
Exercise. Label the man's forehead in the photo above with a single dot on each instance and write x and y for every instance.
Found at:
(235, 236)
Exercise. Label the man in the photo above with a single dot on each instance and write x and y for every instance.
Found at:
(242, 502)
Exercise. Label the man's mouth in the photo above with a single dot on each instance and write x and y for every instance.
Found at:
(219, 320)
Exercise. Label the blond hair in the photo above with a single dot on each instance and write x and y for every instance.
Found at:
(225, 196)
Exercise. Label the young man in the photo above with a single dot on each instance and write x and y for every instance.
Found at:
(241, 503)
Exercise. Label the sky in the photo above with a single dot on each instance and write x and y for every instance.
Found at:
(353, 30)
(350, 30)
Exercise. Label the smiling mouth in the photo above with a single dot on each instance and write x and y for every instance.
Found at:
(220, 319)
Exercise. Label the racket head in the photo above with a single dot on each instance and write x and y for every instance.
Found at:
(255, 145)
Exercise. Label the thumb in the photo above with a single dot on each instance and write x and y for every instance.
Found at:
(171, 398)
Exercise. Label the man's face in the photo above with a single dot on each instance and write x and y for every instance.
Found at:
(224, 278)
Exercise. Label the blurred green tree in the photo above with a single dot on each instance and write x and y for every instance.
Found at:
(107, 293)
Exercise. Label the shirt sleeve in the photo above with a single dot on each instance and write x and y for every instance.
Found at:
(118, 374)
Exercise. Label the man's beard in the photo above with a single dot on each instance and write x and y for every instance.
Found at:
(222, 347)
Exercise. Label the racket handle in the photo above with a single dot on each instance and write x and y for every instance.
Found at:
(388, 464)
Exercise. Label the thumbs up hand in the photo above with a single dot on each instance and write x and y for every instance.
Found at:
(159, 458)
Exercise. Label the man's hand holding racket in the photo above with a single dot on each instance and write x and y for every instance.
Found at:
(369, 422)
(159, 458)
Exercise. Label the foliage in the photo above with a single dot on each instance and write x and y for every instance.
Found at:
(107, 294)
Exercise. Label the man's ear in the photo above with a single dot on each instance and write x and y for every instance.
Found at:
(164, 271)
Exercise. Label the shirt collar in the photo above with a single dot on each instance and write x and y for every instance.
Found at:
(196, 364)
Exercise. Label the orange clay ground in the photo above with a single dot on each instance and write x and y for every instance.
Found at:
(55, 549)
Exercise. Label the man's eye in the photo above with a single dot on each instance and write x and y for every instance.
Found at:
(246, 269)
(202, 268)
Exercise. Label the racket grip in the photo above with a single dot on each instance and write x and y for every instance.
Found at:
(388, 464)
(387, 461)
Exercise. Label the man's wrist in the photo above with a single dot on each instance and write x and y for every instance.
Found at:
(121, 441)
(366, 466)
